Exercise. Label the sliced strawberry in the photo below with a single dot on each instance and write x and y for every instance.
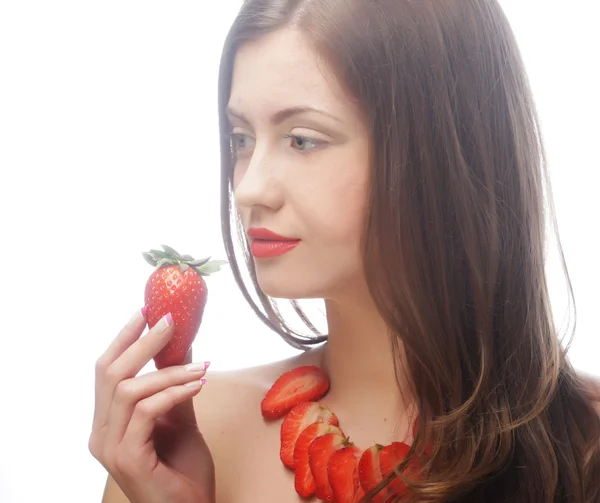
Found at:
(319, 452)
(343, 475)
(360, 494)
(304, 481)
(296, 421)
(390, 457)
(369, 472)
(302, 384)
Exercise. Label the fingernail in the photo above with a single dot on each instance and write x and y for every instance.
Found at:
(195, 367)
(165, 322)
(195, 384)
(139, 315)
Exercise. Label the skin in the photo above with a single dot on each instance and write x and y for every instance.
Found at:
(313, 189)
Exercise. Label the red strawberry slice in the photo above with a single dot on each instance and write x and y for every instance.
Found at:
(360, 494)
(369, 472)
(302, 384)
(177, 286)
(390, 457)
(296, 420)
(343, 475)
(319, 452)
(304, 481)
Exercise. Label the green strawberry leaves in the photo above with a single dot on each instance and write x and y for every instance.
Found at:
(203, 266)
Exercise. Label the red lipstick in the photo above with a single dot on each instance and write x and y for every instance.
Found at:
(265, 243)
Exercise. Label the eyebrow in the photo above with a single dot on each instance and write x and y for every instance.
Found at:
(282, 115)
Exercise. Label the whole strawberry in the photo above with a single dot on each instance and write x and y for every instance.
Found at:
(177, 286)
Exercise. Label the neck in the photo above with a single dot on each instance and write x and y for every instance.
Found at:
(358, 355)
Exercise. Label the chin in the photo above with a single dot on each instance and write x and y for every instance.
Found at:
(278, 290)
(316, 277)
(294, 286)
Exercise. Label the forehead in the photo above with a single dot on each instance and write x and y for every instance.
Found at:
(280, 70)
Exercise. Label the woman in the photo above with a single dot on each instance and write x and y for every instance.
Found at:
(394, 144)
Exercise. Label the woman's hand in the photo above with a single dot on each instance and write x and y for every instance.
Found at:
(144, 431)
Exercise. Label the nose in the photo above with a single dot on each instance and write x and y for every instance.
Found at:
(256, 184)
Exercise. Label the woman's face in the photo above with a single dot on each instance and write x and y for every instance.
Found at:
(302, 168)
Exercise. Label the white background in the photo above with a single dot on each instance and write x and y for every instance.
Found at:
(108, 147)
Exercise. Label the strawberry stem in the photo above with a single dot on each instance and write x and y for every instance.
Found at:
(168, 257)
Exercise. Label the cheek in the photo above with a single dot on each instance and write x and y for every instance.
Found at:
(236, 177)
(333, 204)
(242, 211)
(332, 215)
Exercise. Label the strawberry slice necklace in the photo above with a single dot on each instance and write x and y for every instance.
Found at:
(325, 463)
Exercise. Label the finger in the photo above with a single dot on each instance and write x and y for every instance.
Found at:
(131, 391)
(128, 365)
(147, 411)
(184, 413)
(136, 356)
(126, 337)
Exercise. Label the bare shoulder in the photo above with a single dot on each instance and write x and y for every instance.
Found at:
(228, 394)
(229, 416)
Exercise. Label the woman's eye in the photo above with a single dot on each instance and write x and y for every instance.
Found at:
(240, 142)
(302, 142)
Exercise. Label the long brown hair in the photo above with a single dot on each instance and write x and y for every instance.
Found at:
(455, 240)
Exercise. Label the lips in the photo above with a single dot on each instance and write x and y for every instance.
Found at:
(266, 243)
